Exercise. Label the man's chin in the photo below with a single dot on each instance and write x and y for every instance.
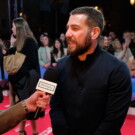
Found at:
(71, 49)
(73, 52)
(70, 52)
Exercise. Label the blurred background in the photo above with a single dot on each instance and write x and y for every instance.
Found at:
(52, 15)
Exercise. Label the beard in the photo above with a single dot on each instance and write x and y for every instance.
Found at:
(80, 48)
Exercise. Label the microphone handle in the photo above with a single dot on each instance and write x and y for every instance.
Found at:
(38, 110)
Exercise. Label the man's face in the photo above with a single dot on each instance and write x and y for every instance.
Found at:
(78, 35)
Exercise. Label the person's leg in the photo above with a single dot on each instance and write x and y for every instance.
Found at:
(1, 95)
(11, 95)
(22, 128)
(2, 69)
(34, 127)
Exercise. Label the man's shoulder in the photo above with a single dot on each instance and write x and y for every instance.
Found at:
(64, 60)
(110, 58)
(111, 61)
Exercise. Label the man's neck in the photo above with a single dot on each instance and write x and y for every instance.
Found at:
(90, 51)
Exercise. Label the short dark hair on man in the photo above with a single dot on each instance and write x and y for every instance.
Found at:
(95, 18)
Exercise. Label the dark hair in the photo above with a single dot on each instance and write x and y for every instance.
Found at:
(55, 50)
(95, 18)
(50, 42)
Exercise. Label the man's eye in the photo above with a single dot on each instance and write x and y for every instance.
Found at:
(75, 28)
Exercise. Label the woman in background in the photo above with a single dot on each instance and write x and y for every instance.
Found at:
(57, 53)
(44, 52)
(122, 51)
(25, 43)
(105, 44)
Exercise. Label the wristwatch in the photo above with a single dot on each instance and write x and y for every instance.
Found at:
(24, 106)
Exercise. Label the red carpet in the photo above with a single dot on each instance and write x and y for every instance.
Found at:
(44, 126)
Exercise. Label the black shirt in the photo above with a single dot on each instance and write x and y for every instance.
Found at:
(92, 97)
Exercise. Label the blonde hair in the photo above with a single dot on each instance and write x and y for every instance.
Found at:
(22, 32)
(114, 44)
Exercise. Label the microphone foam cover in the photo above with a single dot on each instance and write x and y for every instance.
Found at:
(51, 74)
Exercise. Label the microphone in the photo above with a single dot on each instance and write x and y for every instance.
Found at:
(47, 84)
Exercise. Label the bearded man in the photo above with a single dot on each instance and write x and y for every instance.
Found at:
(94, 87)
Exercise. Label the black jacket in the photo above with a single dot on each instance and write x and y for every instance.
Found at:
(92, 97)
(25, 80)
(30, 49)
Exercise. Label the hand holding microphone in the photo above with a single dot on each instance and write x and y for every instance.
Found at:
(48, 85)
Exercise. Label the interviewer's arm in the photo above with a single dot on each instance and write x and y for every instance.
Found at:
(11, 117)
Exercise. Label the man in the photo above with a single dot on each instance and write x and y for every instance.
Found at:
(11, 117)
(94, 87)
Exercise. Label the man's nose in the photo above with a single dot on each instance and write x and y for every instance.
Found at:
(68, 33)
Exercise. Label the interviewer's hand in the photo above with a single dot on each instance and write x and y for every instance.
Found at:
(37, 99)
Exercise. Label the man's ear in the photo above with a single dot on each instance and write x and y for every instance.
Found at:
(95, 32)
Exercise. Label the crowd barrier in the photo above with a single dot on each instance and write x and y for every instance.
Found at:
(42, 71)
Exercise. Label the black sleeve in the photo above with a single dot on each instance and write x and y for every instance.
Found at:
(119, 97)
(31, 61)
(58, 120)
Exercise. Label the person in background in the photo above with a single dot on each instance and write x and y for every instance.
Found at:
(4, 45)
(129, 44)
(131, 65)
(110, 40)
(104, 42)
(113, 35)
(29, 72)
(64, 42)
(128, 37)
(131, 60)
(1, 59)
(1, 73)
(133, 36)
(57, 52)
(11, 117)
(44, 52)
(12, 95)
(120, 50)
(94, 87)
